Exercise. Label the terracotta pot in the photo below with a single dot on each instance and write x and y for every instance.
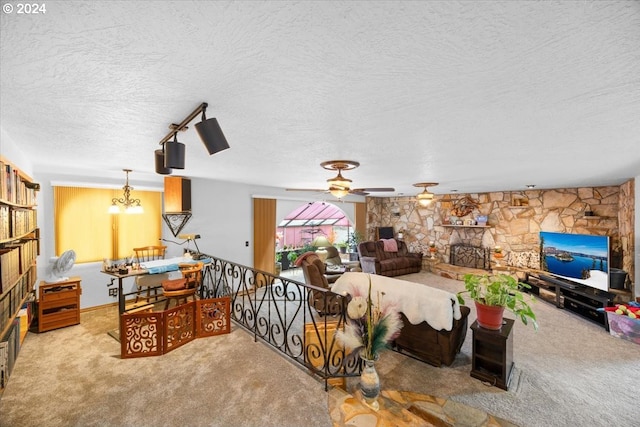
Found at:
(489, 316)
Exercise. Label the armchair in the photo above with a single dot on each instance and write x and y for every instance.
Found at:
(323, 302)
(333, 258)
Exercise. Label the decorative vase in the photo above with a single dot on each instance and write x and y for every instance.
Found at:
(370, 383)
(498, 256)
(489, 316)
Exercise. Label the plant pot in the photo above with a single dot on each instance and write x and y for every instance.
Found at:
(489, 316)
(278, 268)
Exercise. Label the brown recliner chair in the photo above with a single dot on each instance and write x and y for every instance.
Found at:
(325, 303)
(333, 258)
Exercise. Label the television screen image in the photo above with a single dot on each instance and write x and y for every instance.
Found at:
(581, 258)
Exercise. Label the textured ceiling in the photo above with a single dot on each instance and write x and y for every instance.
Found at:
(478, 96)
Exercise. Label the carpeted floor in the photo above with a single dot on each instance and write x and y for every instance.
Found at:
(569, 373)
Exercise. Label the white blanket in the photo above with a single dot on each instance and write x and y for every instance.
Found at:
(420, 303)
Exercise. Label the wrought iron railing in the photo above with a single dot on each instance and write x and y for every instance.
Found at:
(296, 319)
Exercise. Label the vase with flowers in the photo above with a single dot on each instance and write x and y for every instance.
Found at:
(498, 255)
(433, 249)
(369, 328)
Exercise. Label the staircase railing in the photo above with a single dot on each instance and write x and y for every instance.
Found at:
(281, 312)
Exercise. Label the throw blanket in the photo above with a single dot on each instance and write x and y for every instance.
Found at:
(420, 303)
(162, 269)
(390, 245)
(164, 265)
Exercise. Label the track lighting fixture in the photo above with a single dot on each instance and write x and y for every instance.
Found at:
(172, 155)
(211, 134)
(159, 159)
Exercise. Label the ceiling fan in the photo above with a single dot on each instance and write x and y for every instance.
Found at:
(340, 186)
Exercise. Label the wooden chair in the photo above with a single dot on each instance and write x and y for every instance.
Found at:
(149, 253)
(181, 289)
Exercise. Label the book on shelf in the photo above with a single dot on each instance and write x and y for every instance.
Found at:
(14, 188)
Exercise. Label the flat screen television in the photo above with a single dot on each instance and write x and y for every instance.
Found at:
(580, 258)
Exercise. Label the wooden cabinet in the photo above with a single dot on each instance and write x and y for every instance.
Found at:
(492, 354)
(59, 304)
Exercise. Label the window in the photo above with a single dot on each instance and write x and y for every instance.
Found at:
(83, 224)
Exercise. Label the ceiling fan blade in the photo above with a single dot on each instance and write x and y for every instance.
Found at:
(364, 190)
(317, 190)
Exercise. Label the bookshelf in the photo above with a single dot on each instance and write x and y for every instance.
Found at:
(19, 248)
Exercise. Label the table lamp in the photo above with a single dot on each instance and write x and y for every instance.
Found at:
(321, 242)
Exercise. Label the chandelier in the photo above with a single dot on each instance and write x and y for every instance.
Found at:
(131, 206)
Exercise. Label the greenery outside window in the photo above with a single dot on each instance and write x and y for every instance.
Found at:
(83, 224)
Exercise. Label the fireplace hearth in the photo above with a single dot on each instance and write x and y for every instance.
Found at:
(464, 255)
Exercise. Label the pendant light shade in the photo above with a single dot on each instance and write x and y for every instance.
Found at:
(174, 153)
(211, 135)
(159, 159)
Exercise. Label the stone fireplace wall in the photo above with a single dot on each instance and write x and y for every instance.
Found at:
(514, 219)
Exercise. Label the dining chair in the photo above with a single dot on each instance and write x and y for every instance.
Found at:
(153, 281)
(180, 289)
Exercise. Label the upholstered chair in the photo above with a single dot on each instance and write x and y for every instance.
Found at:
(333, 258)
(325, 303)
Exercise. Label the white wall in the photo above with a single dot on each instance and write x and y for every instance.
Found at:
(10, 150)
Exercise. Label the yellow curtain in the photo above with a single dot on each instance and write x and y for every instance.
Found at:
(135, 231)
(361, 218)
(82, 223)
(264, 235)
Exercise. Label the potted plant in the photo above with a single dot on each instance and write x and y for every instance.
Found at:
(492, 294)
(342, 246)
(278, 263)
(292, 256)
(354, 239)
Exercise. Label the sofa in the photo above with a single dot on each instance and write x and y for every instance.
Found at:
(434, 323)
(375, 259)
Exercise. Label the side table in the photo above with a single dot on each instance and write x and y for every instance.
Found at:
(492, 357)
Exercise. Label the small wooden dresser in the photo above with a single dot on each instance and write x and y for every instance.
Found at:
(59, 304)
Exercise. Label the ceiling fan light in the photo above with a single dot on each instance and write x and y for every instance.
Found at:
(159, 159)
(174, 154)
(340, 182)
(424, 198)
(212, 136)
(338, 192)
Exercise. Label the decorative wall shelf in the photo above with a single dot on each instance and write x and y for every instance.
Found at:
(465, 226)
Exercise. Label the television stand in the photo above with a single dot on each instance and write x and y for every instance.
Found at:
(582, 300)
